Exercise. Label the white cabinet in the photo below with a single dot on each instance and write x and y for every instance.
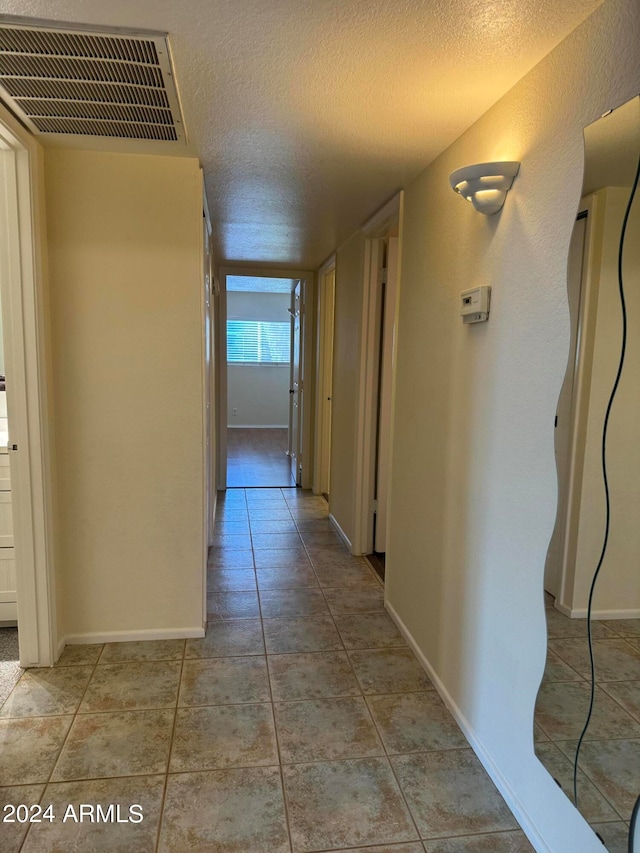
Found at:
(8, 608)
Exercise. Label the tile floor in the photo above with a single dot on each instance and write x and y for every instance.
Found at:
(609, 777)
(258, 457)
(301, 722)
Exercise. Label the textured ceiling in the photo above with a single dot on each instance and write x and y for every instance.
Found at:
(308, 114)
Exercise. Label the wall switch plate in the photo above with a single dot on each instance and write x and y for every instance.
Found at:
(474, 304)
(234, 411)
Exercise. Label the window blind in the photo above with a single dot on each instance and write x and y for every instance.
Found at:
(258, 342)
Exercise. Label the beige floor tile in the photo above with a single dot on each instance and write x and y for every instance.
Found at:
(125, 743)
(357, 577)
(12, 834)
(369, 631)
(355, 600)
(614, 835)
(268, 514)
(30, 748)
(273, 525)
(343, 803)
(80, 655)
(593, 806)
(232, 528)
(292, 603)
(311, 676)
(412, 847)
(450, 793)
(494, 842)
(624, 627)
(132, 686)
(218, 737)
(267, 541)
(291, 577)
(224, 681)
(333, 557)
(308, 634)
(415, 722)
(615, 660)
(318, 538)
(560, 626)
(561, 710)
(614, 768)
(209, 810)
(230, 560)
(228, 639)
(42, 692)
(231, 580)
(326, 729)
(112, 836)
(389, 671)
(276, 558)
(231, 542)
(222, 606)
(141, 651)
(557, 670)
(627, 694)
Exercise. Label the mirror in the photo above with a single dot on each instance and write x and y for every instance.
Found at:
(605, 247)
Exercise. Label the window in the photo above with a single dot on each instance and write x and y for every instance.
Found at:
(258, 342)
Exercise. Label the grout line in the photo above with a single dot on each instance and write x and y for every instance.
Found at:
(173, 731)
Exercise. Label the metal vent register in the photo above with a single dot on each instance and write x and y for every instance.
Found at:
(61, 80)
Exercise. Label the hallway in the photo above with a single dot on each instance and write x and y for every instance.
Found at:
(258, 457)
(303, 685)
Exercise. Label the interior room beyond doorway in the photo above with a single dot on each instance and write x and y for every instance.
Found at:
(259, 342)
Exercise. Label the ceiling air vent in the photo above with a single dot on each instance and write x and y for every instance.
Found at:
(60, 80)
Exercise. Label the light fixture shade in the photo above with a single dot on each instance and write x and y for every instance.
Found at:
(485, 185)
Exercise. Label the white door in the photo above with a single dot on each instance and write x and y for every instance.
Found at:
(326, 390)
(384, 402)
(208, 478)
(564, 415)
(295, 387)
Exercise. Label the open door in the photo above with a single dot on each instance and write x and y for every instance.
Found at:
(388, 285)
(295, 388)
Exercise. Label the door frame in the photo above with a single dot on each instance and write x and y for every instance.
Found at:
(324, 361)
(307, 338)
(376, 230)
(27, 358)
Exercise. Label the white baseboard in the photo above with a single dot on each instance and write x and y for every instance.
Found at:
(340, 531)
(475, 743)
(132, 636)
(581, 613)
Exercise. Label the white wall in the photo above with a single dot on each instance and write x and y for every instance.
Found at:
(125, 251)
(259, 393)
(473, 487)
(618, 587)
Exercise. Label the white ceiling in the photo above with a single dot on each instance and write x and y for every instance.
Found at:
(307, 115)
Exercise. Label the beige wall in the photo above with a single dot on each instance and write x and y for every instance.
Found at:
(125, 254)
(473, 482)
(346, 378)
(618, 587)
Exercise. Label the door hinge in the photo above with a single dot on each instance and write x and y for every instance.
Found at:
(374, 506)
(382, 275)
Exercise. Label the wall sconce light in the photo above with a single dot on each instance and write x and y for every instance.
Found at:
(485, 185)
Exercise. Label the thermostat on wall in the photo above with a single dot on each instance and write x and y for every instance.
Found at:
(474, 304)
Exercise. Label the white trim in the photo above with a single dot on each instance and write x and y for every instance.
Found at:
(475, 743)
(581, 613)
(384, 217)
(23, 297)
(133, 636)
(340, 531)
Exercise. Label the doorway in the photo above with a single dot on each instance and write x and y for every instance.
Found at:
(26, 593)
(261, 341)
(257, 444)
